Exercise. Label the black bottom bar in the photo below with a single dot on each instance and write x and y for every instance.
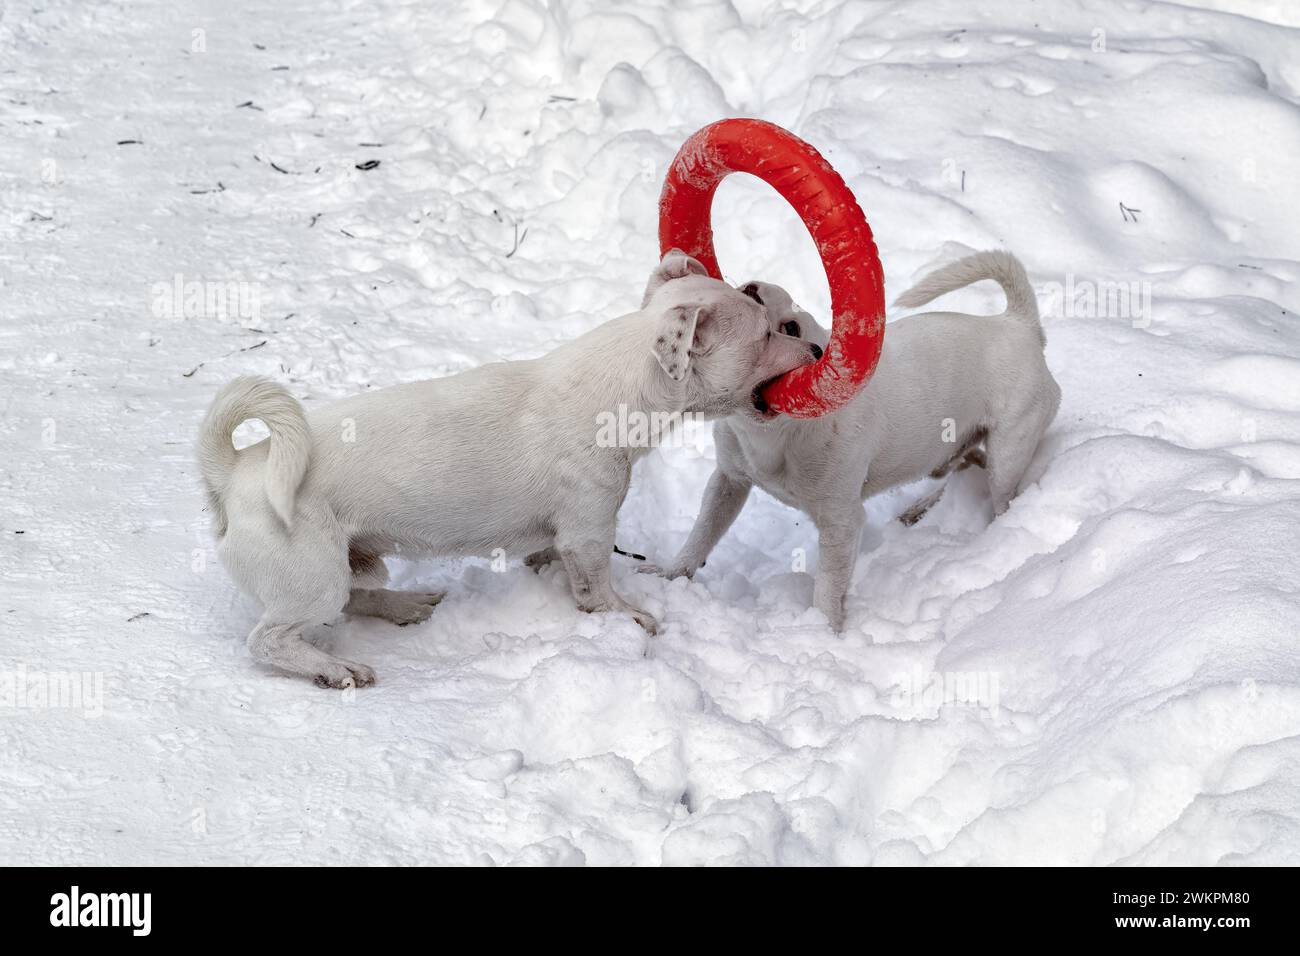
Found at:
(336, 906)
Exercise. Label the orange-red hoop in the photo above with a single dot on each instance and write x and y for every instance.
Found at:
(835, 221)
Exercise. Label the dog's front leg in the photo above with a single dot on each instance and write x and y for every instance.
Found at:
(586, 560)
(724, 498)
(839, 534)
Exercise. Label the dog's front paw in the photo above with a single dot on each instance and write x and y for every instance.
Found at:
(834, 611)
(670, 571)
(341, 674)
(644, 618)
(829, 602)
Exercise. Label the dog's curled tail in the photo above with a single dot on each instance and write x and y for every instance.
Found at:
(1002, 267)
(290, 451)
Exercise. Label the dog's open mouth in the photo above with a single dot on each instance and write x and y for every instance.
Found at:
(759, 402)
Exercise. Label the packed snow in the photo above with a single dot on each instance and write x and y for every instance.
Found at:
(345, 195)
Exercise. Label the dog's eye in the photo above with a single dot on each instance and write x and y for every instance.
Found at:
(790, 328)
(751, 290)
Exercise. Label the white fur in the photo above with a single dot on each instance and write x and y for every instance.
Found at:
(946, 383)
(289, 451)
(503, 456)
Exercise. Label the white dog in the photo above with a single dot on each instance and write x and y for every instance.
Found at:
(504, 456)
(946, 384)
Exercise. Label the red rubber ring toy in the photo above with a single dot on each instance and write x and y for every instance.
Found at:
(835, 221)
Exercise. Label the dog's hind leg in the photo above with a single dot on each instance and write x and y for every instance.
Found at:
(399, 607)
(282, 645)
(970, 456)
(302, 578)
(369, 598)
(367, 566)
(921, 506)
(1010, 447)
(540, 559)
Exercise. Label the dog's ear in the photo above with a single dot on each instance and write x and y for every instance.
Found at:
(675, 340)
(674, 265)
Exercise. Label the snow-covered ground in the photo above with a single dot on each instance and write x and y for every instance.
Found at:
(1109, 673)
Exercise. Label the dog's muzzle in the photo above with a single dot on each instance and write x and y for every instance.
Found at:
(760, 403)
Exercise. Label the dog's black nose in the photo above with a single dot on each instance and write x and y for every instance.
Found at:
(816, 350)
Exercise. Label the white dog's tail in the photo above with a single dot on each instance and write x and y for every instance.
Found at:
(246, 398)
(1002, 267)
